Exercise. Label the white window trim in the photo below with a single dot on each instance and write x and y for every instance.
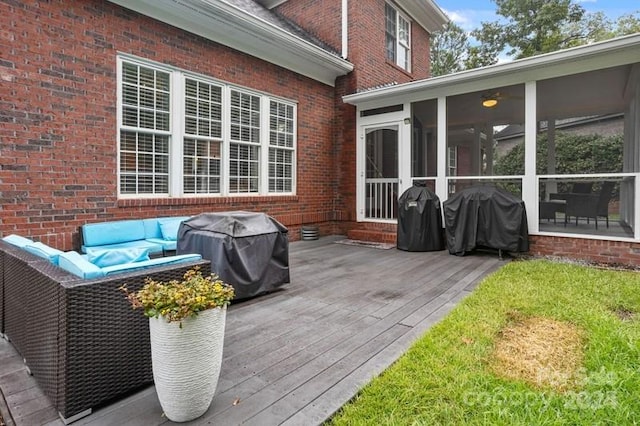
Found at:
(176, 133)
(399, 44)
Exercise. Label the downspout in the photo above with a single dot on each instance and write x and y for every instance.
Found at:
(345, 29)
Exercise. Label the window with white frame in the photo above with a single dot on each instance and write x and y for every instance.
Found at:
(181, 134)
(202, 143)
(452, 154)
(281, 147)
(398, 37)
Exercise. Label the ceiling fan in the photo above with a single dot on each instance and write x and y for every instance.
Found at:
(490, 99)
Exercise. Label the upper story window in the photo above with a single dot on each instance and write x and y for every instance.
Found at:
(184, 135)
(398, 41)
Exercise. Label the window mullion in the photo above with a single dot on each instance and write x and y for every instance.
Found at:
(294, 166)
(226, 136)
(263, 185)
(177, 136)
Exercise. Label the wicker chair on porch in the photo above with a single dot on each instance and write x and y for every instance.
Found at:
(590, 206)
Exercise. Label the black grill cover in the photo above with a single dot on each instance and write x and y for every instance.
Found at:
(248, 250)
(419, 220)
(485, 216)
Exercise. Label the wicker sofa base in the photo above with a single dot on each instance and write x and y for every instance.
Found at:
(81, 340)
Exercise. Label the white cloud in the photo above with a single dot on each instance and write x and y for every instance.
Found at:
(470, 19)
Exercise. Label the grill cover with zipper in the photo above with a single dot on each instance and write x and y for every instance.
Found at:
(419, 220)
(485, 216)
(248, 250)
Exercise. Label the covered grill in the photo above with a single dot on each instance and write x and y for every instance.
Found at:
(248, 250)
(419, 220)
(485, 216)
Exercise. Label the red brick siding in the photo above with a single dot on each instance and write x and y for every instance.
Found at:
(601, 251)
(367, 47)
(322, 18)
(58, 111)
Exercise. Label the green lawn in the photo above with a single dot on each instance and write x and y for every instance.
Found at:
(449, 375)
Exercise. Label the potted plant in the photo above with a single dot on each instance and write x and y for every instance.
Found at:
(186, 325)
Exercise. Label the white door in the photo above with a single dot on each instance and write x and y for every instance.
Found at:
(381, 172)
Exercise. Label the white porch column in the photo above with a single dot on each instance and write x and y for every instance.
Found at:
(529, 185)
(441, 178)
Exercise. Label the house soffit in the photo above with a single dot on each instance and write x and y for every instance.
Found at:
(426, 13)
(229, 25)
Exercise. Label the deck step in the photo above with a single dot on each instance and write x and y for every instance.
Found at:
(373, 235)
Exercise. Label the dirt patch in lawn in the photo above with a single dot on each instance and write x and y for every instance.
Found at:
(624, 314)
(543, 352)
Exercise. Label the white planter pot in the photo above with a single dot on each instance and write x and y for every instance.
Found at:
(186, 362)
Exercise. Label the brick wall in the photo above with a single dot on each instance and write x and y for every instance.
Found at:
(367, 47)
(600, 251)
(58, 158)
(322, 18)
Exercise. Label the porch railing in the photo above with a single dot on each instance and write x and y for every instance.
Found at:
(381, 198)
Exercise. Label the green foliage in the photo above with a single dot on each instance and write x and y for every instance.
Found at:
(575, 154)
(446, 379)
(176, 300)
(528, 28)
(448, 50)
(536, 26)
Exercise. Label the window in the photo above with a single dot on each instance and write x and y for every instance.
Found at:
(182, 135)
(398, 41)
(452, 156)
(245, 143)
(281, 124)
(202, 144)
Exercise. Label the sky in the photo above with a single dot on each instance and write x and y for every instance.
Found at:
(469, 13)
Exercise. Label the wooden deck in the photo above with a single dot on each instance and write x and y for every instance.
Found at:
(295, 356)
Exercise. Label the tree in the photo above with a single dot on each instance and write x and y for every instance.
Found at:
(628, 24)
(575, 154)
(596, 26)
(529, 27)
(449, 49)
(532, 27)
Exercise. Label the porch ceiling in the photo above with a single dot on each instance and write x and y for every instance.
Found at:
(593, 93)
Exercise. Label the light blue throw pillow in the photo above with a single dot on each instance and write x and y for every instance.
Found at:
(104, 258)
(169, 229)
(75, 263)
(17, 240)
(43, 250)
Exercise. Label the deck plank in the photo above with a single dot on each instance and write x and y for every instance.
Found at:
(295, 356)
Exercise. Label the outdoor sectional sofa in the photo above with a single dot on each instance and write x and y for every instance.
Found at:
(159, 235)
(80, 338)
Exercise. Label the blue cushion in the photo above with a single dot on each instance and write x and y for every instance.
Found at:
(165, 244)
(169, 228)
(17, 240)
(43, 250)
(151, 228)
(120, 231)
(73, 262)
(159, 261)
(104, 258)
(153, 247)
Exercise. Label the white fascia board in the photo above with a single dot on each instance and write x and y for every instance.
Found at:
(226, 24)
(426, 13)
(606, 54)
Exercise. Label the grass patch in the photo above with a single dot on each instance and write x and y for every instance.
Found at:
(537, 343)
